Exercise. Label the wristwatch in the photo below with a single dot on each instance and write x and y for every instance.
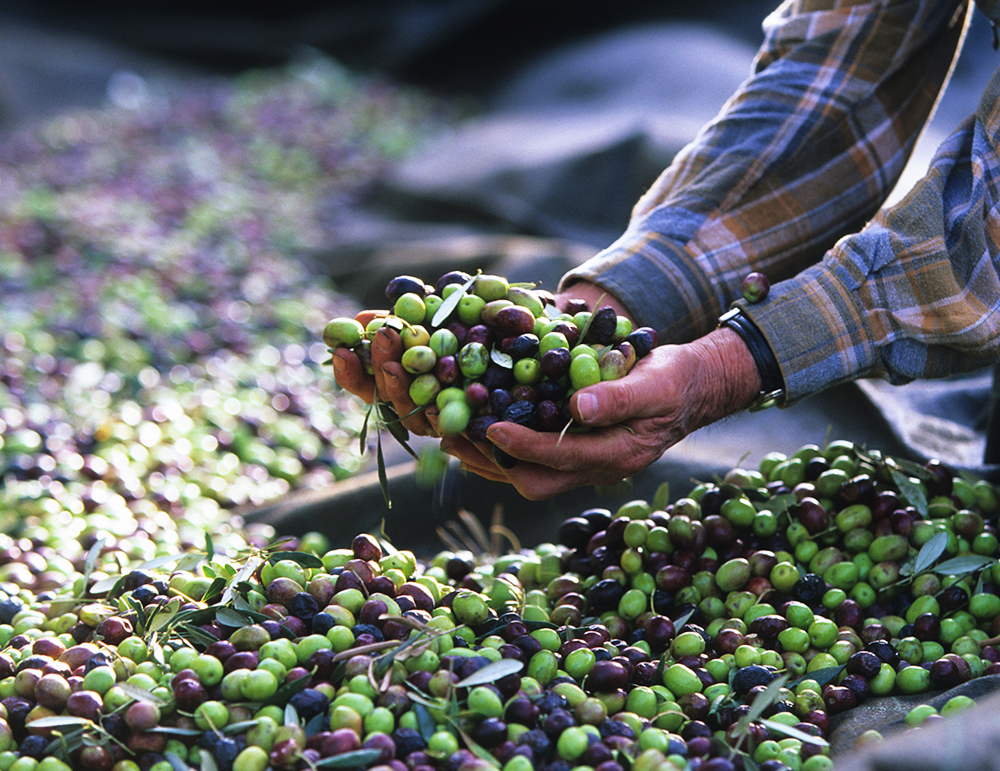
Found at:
(772, 385)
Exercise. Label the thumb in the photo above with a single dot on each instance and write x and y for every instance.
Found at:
(607, 403)
(647, 391)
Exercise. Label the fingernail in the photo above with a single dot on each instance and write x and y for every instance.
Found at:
(499, 438)
(381, 343)
(389, 374)
(586, 405)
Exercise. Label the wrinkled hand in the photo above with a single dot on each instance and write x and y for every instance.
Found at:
(632, 421)
(389, 380)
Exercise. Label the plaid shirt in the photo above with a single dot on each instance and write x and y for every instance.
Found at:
(804, 153)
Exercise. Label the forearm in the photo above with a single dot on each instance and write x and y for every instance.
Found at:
(916, 294)
(803, 153)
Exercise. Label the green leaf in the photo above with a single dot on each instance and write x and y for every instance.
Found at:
(60, 721)
(239, 727)
(303, 558)
(232, 618)
(207, 761)
(491, 673)
(287, 691)
(175, 731)
(140, 694)
(930, 552)
(679, 623)
(765, 699)
(106, 585)
(425, 723)
(383, 478)
(795, 733)
(821, 676)
(450, 303)
(176, 763)
(966, 563)
(355, 759)
(913, 494)
(363, 434)
(247, 569)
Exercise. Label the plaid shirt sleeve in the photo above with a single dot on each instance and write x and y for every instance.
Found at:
(805, 152)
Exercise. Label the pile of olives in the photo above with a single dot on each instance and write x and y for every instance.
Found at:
(726, 629)
(483, 349)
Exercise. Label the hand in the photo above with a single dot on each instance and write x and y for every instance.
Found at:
(389, 380)
(392, 383)
(670, 393)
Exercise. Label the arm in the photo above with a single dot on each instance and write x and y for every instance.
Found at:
(916, 294)
(802, 154)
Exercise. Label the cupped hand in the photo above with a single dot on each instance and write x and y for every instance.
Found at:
(632, 421)
(388, 379)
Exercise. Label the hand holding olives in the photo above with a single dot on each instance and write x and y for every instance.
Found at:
(632, 420)
(507, 346)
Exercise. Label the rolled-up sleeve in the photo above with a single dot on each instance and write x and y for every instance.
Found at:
(805, 152)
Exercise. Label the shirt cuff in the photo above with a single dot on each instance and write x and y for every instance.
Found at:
(817, 330)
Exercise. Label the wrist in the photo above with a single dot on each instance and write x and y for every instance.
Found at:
(729, 378)
(772, 388)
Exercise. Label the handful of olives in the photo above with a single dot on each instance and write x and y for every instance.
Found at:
(483, 349)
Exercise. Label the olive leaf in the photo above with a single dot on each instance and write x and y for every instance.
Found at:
(795, 733)
(287, 691)
(363, 434)
(474, 747)
(912, 493)
(383, 478)
(491, 673)
(353, 759)
(140, 694)
(966, 563)
(232, 618)
(234, 728)
(176, 763)
(451, 302)
(303, 558)
(820, 676)
(425, 723)
(247, 569)
(207, 761)
(930, 552)
(173, 730)
(60, 721)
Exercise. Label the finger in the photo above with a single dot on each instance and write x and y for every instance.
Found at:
(393, 382)
(366, 316)
(473, 456)
(351, 376)
(537, 483)
(614, 452)
(655, 386)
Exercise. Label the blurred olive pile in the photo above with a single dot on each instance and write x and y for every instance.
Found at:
(159, 327)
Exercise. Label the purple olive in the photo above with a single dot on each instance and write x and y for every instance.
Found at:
(755, 287)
